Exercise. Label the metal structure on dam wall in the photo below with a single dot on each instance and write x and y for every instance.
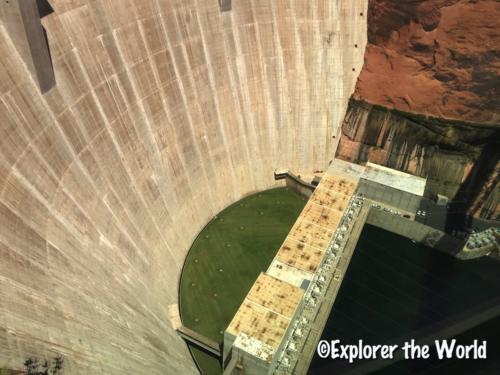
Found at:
(164, 112)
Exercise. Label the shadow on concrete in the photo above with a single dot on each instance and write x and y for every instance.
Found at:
(470, 189)
(44, 8)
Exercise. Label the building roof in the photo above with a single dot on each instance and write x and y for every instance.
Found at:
(264, 316)
(306, 244)
(290, 274)
(262, 324)
(395, 179)
(276, 295)
(343, 185)
(325, 216)
(346, 169)
(253, 346)
(329, 198)
(299, 255)
(310, 234)
(267, 310)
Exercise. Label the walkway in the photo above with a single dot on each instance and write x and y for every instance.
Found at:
(199, 340)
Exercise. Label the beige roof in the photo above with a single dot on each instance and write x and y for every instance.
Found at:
(260, 323)
(276, 295)
(321, 215)
(267, 310)
(299, 255)
(329, 198)
(308, 239)
(310, 234)
(339, 184)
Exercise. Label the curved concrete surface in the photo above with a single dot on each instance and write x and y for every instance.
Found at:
(164, 112)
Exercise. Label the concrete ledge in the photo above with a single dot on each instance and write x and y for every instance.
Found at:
(296, 183)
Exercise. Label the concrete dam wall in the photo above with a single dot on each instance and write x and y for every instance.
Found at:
(164, 112)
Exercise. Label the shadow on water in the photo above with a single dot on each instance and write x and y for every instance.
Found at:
(395, 290)
(435, 290)
(206, 362)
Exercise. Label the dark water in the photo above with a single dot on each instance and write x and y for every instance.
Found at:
(395, 290)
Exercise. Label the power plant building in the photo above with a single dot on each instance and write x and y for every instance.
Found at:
(270, 329)
(391, 187)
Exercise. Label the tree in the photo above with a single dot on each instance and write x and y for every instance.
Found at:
(34, 366)
(58, 365)
(31, 365)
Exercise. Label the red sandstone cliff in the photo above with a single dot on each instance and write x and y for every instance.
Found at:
(427, 100)
(435, 57)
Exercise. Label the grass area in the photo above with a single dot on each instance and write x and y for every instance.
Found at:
(226, 258)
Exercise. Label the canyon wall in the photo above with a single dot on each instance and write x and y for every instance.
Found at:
(435, 57)
(164, 112)
(459, 160)
(427, 100)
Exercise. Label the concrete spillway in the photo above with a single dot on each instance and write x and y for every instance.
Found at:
(163, 113)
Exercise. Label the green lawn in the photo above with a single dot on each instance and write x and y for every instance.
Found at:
(227, 257)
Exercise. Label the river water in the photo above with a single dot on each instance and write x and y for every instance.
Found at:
(396, 290)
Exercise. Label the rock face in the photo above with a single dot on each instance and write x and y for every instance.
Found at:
(480, 193)
(459, 160)
(434, 57)
(427, 100)
(164, 112)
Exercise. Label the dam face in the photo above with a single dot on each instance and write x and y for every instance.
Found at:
(163, 113)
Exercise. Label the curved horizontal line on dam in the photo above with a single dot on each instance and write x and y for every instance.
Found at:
(163, 112)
